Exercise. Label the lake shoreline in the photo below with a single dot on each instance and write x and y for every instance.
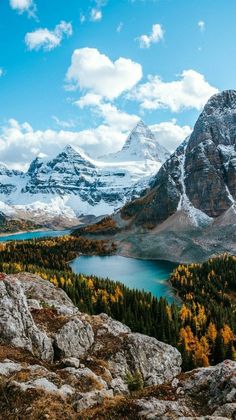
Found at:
(157, 276)
(144, 275)
(22, 232)
(39, 234)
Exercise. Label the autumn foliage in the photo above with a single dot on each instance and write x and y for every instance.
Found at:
(203, 326)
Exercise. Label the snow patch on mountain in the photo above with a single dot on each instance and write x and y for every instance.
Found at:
(196, 216)
(73, 184)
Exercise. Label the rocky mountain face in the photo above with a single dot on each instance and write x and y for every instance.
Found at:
(202, 172)
(211, 156)
(189, 210)
(72, 184)
(56, 362)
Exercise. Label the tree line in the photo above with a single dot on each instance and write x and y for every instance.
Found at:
(203, 326)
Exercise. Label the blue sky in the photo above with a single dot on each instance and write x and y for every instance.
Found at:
(191, 42)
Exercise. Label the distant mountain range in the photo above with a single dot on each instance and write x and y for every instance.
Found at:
(7, 225)
(72, 184)
(189, 213)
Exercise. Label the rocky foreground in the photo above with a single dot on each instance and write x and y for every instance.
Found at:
(57, 363)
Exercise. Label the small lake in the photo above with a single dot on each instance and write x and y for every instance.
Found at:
(33, 235)
(145, 275)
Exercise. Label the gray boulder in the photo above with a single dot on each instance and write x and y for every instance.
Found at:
(154, 409)
(110, 326)
(226, 411)
(46, 294)
(17, 327)
(157, 362)
(216, 384)
(90, 399)
(74, 338)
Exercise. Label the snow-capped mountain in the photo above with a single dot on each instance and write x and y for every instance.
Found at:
(4, 170)
(141, 145)
(73, 184)
(190, 211)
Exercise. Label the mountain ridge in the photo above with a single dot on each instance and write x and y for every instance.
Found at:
(73, 184)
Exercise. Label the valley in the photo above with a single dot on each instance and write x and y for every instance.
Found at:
(185, 214)
(150, 276)
(202, 325)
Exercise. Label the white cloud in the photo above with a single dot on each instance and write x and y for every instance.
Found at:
(113, 117)
(95, 15)
(202, 26)
(90, 99)
(155, 36)
(118, 119)
(169, 134)
(1, 71)
(20, 143)
(95, 72)
(63, 124)
(22, 6)
(191, 91)
(96, 12)
(120, 27)
(46, 39)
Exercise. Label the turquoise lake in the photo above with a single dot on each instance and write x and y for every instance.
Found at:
(145, 275)
(33, 235)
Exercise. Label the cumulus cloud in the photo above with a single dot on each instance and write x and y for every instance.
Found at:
(169, 134)
(95, 72)
(190, 91)
(90, 100)
(22, 6)
(113, 117)
(156, 35)
(20, 143)
(201, 25)
(46, 39)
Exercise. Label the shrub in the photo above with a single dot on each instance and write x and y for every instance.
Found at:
(134, 381)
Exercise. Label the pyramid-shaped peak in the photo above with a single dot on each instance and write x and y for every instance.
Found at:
(141, 127)
(141, 124)
(68, 149)
(75, 151)
(140, 133)
(76, 154)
